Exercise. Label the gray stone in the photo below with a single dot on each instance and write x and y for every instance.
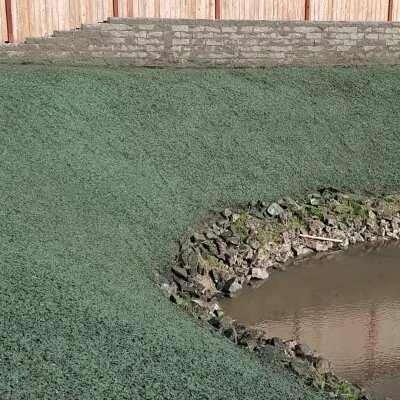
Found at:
(215, 275)
(256, 213)
(316, 225)
(300, 250)
(381, 232)
(221, 245)
(254, 244)
(193, 260)
(330, 220)
(198, 237)
(180, 272)
(302, 350)
(276, 342)
(322, 365)
(233, 240)
(210, 234)
(315, 202)
(319, 246)
(232, 286)
(227, 213)
(275, 209)
(259, 273)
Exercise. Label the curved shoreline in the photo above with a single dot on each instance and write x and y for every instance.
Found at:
(240, 246)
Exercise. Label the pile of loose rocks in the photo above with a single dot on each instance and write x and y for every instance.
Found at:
(242, 246)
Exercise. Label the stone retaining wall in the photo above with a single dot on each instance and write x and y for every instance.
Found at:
(207, 43)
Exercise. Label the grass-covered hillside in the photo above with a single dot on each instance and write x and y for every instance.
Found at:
(103, 170)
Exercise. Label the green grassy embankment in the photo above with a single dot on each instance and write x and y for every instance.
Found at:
(103, 170)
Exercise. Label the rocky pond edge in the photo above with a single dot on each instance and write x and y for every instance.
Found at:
(244, 245)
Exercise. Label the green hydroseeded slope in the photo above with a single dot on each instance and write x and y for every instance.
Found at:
(103, 170)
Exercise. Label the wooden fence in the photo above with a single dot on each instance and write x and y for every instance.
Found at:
(26, 18)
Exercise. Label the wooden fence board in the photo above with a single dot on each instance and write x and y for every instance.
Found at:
(396, 10)
(263, 9)
(349, 10)
(3, 22)
(191, 9)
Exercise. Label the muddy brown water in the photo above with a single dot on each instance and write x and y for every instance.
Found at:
(346, 306)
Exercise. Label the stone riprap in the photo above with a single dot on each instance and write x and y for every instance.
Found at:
(240, 246)
(164, 42)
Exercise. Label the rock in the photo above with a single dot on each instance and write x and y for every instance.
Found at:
(192, 291)
(235, 217)
(284, 257)
(180, 272)
(193, 260)
(322, 365)
(316, 225)
(315, 202)
(344, 244)
(230, 333)
(215, 275)
(220, 284)
(300, 250)
(381, 232)
(201, 269)
(256, 213)
(258, 273)
(227, 213)
(210, 234)
(207, 283)
(302, 350)
(211, 247)
(232, 286)
(285, 217)
(198, 237)
(232, 256)
(291, 204)
(276, 342)
(275, 209)
(392, 235)
(330, 220)
(254, 244)
(174, 298)
(320, 246)
(220, 322)
(233, 240)
(302, 369)
(221, 246)
(371, 214)
(226, 234)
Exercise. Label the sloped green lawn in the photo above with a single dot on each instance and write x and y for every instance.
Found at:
(103, 170)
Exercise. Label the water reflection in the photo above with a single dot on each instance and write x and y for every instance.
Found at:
(346, 306)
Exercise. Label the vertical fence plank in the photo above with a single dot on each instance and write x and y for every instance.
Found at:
(390, 10)
(3, 22)
(396, 10)
(6, 21)
(349, 10)
(263, 9)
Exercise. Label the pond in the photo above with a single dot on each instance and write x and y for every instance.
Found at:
(346, 306)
